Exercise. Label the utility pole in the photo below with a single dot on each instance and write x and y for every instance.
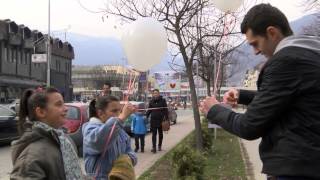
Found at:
(48, 48)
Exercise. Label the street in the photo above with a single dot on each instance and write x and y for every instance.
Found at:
(5, 162)
(184, 126)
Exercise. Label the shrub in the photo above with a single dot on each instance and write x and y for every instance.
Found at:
(207, 138)
(188, 163)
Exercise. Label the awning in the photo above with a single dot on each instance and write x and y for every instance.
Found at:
(15, 81)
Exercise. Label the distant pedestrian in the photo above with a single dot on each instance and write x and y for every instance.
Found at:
(106, 89)
(139, 128)
(158, 115)
(184, 104)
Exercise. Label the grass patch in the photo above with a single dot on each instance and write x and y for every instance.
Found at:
(224, 161)
(162, 169)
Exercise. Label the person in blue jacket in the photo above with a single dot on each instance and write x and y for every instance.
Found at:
(104, 115)
(139, 128)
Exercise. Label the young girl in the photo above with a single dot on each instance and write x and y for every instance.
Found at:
(105, 116)
(43, 151)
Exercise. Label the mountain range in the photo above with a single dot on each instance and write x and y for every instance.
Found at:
(108, 50)
(244, 59)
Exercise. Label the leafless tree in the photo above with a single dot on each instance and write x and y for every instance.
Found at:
(177, 17)
(313, 29)
(311, 5)
(194, 28)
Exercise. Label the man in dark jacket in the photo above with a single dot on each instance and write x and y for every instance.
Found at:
(158, 114)
(285, 111)
(106, 89)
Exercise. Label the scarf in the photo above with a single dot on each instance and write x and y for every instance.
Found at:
(71, 164)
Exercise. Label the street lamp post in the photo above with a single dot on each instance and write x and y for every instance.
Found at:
(48, 48)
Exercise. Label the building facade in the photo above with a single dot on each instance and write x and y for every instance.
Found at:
(18, 72)
(88, 80)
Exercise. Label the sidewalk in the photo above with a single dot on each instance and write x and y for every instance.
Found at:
(252, 156)
(185, 124)
(253, 163)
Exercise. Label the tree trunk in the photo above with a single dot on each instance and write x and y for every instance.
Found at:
(208, 87)
(196, 113)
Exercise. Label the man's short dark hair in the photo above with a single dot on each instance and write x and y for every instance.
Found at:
(107, 83)
(156, 90)
(261, 16)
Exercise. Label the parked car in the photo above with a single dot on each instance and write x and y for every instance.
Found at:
(172, 114)
(76, 116)
(14, 105)
(8, 125)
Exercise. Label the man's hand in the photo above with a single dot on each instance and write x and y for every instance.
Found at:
(127, 110)
(207, 103)
(231, 97)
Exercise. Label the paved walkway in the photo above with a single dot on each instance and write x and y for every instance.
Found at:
(177, 132)
(255, 164)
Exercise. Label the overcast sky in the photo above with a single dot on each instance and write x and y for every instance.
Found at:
(69, 14)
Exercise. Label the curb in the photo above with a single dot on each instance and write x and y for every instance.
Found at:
(246, 160)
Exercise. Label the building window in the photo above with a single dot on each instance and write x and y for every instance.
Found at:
(9, 55)
(27, 57)
(5, 51)
(14, 54)
(22, 56)
(19, 57)
(58, 65)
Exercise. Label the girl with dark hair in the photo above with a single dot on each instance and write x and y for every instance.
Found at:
(43, 151)
(105, 140)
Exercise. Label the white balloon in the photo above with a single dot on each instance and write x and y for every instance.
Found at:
(145, 43)
(227, 5)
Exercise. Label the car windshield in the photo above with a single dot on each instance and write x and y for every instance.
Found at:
(5, 112)
(73, 113)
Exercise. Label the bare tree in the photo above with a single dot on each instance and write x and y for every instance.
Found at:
(313, 29)
(222, 38)
(194, 27)
(311, 4)
(178, 17)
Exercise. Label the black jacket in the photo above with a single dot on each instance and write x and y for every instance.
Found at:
(37, 155)
(285, 112)
(157, 115)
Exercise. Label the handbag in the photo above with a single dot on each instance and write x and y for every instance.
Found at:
(165, 125)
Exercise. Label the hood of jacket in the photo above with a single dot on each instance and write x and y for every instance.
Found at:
(308, 42)
(28, 137)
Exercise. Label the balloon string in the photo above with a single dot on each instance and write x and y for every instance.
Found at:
(146, 109)
(130, 87)
(217, 77)
(224, 39)
(125, 97)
